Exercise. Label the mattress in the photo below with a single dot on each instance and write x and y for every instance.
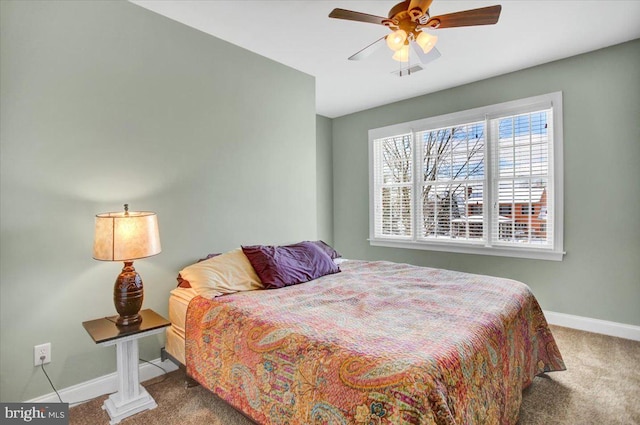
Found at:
(175, 334)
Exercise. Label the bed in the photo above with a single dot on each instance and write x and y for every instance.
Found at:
(377, 343)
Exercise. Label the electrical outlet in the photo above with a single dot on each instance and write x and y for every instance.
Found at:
(42, 350)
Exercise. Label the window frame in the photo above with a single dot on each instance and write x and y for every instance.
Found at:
(485, 113)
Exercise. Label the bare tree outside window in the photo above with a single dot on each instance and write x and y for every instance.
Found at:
(453, 173)
(396, 186)
(452, 170)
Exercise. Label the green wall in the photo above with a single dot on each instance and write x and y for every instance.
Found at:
(104, 103)
(600, 274)
(324, 158)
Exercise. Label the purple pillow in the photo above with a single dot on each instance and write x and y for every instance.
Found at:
(327, 248)
(280, 266)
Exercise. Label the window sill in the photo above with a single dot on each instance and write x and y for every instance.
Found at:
(533, 254)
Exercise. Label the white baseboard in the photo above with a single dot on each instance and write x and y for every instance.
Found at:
(620, 330)
(107, 384)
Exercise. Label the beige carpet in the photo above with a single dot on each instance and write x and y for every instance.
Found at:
(600, 386)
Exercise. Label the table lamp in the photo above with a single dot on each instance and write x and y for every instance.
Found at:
(126, 236)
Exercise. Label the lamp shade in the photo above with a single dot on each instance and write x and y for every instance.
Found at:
(126, 236)
(402, 55)
(396, 40)
(426, 41)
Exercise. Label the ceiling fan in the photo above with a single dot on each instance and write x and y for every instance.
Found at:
(408, 21)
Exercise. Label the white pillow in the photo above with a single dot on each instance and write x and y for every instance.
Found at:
(224, 274)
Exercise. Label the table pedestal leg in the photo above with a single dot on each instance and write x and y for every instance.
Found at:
(131, 397)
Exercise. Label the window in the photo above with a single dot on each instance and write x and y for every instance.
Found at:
(528, 209)
(505, 209)
(486, 181)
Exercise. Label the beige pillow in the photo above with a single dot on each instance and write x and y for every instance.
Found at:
(224, 274)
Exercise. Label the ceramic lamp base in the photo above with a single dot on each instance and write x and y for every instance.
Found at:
(128, 295)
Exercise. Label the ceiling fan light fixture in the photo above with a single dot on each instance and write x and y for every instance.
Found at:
(426, 41)
(407, 20)
(402, 55)
(395, 40)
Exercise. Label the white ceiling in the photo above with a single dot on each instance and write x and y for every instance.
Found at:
(299, 34)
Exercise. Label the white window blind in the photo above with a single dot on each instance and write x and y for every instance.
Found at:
(523, 174)
(393, 171)
(479, 181)
(452, 185)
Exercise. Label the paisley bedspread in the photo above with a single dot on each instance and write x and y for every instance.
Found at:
(378, 343)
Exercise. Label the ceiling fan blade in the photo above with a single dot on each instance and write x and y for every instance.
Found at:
(483, 16)
(418, 8)
(350, 15)
(425, 58)
(367, 51)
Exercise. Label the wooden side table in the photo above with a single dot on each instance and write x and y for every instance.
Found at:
(131, 397)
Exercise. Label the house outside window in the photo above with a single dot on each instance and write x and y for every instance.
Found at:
(486, 181)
